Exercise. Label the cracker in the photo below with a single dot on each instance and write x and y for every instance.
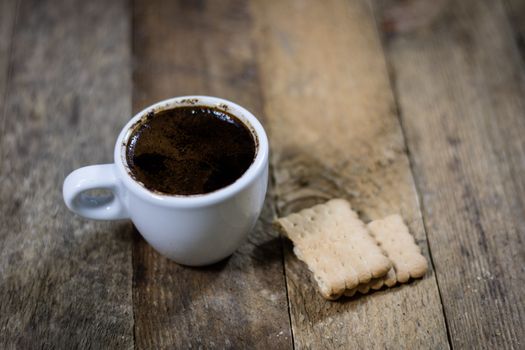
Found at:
(388, 280)
(336, 247)
(398, 244)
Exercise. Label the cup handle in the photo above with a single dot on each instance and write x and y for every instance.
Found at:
(98, 207)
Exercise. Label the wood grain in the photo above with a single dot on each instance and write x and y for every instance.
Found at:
(204, 47)
(64, 282)
(7, 21)
(334, 132)
(460, 86)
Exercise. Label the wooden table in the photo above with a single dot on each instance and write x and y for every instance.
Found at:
(429, 123)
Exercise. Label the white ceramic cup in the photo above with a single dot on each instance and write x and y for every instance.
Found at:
(191, 230)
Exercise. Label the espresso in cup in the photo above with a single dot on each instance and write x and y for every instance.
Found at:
(189, 150)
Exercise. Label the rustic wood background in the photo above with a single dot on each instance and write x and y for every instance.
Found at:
(414, 107)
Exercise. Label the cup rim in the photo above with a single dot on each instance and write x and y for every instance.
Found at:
(254, 170)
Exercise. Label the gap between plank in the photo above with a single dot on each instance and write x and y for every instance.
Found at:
(273, 196)
(514, 32)
(131, 20)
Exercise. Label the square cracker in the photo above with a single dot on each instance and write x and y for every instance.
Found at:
(399, 246)
(335, 246)
(388, 280)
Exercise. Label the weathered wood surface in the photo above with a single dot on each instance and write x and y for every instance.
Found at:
(460, 88)
(315, 73)
(334, 132)
(65, 282)
(205, 47)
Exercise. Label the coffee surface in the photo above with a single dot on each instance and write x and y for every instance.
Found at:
(189, 150)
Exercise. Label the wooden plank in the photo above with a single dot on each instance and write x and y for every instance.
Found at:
(461, 94)
(334, 132)
(205, 47)
(65, 282)
(7, 22)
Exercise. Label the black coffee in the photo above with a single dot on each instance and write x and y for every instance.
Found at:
(189, 150)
